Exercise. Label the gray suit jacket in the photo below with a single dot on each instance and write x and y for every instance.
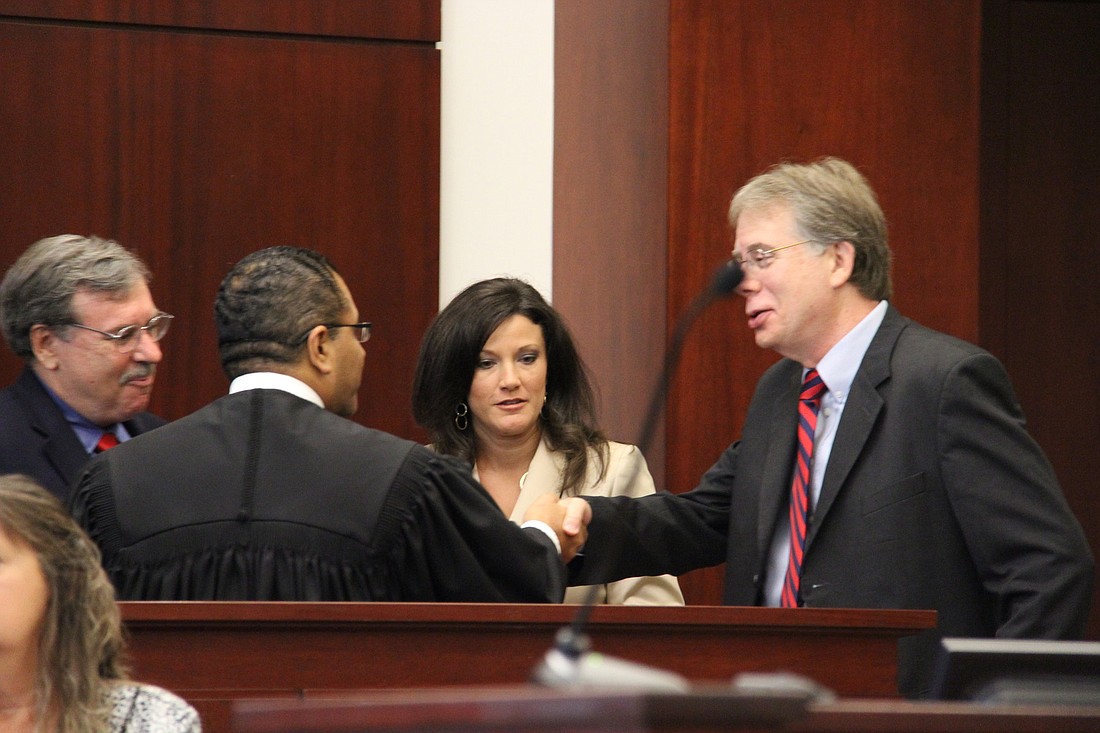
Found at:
(935, 497)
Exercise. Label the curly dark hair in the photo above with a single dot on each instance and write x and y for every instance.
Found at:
(268, 301)
(448, 357)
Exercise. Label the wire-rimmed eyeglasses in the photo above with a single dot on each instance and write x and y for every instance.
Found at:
(126, 338)
(759, 257)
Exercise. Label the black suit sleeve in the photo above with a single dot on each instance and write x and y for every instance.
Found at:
(659, 534)
(1027, 546)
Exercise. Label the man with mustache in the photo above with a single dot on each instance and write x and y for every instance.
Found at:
(79, 312)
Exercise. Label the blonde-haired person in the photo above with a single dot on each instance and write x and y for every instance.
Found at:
(61, 643)
(501, 386)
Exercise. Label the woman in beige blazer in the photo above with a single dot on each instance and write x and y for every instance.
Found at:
(500, 385)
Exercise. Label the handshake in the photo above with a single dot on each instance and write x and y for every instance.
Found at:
(568, 518)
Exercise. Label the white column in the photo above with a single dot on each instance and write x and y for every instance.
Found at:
(497, 143)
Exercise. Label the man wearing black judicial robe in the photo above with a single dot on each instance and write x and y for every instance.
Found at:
(269, 493)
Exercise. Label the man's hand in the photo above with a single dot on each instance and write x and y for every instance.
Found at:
(578, 513)
(568, 518)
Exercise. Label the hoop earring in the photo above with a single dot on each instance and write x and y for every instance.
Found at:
(461, 411)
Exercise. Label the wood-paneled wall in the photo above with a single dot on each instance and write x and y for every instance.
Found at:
(611, 198)
(195, 133)
(1040, 312)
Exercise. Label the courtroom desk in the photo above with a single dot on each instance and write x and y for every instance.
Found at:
(213, 653)
(519, 709)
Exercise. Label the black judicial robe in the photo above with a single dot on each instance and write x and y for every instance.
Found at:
(264, 496)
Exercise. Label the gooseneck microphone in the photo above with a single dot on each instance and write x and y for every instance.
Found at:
(570, 661)
(723, 282)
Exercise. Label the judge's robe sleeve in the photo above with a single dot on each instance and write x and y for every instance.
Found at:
(450, 542)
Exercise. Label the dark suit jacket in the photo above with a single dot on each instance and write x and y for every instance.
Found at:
(262, 495)
(935, 497)
(36, 440)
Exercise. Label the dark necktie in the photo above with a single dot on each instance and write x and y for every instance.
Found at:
(107, 440)
(809, 402)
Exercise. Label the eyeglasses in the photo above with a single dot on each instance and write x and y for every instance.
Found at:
(761, 258)
(361, 330)
(126, 338)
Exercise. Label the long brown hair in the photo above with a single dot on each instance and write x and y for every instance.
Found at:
(80, 649)
(448, 357)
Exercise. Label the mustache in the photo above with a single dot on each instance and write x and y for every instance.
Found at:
(138, 371)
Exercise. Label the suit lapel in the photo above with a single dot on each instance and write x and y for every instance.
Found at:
(861, 411)
(59, 445)
(779, 462)
(543, 476)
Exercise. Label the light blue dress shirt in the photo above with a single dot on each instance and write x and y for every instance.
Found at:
(837, 369)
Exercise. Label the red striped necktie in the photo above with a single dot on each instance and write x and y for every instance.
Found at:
(107, 440)
(809, 402)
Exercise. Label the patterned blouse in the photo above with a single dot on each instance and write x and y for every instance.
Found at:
(141, 708)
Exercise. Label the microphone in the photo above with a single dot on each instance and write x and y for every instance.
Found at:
(723, 282)
(570, 662)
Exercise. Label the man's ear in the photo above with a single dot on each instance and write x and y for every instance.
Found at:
(843, 262)
(44, 345)
(319, 349)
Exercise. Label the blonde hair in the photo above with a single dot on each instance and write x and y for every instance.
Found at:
(831, 202)
(81, 646)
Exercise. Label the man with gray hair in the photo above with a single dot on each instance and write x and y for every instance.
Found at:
(79, 312)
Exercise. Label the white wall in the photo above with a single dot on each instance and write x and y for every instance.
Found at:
(497, 143)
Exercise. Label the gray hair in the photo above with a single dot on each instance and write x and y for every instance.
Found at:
(40, 286)
(831, 202)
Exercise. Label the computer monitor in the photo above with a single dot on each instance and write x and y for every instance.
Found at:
(1018, 671)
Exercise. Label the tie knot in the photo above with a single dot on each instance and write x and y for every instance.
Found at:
(107, 440)
(812, 387)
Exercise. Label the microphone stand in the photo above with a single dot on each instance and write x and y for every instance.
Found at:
(570, 662)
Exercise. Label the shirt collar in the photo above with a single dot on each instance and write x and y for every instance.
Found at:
(87, 432)
(839, 365)
(273, 380)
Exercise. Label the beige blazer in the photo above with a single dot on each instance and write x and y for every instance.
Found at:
(627, 475)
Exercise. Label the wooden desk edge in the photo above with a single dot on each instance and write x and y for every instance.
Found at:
(404, 614)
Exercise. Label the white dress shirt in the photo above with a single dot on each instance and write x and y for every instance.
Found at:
(838, 370)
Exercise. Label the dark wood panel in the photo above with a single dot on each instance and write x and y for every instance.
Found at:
(610, 195)
(891, 86)
(195, 149)
(416, 20)
(213, 653)
(1040, 223)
